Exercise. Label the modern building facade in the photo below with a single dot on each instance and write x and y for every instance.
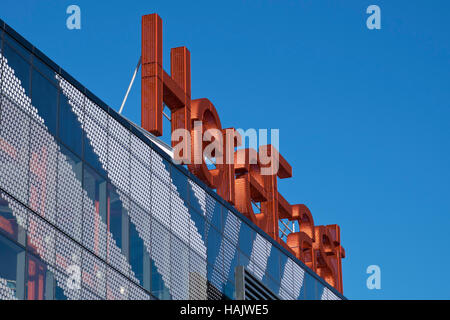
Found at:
(92, 207)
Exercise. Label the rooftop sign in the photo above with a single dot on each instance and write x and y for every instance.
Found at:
(242, 177)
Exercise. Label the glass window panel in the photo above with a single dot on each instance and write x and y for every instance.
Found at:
(45, 99)
(8, 222)
(273, 264)
(230, 291)
(310, 287)
(21, 67)
(40, 281)
(70, 130)
(213, 246)
(18, 47)
(139, 256)
(243, 260)
(59, 293)
(96, 187)
(272, 285)
(214, 213)
(45, 70)
(246, 238)
(158, 288)
(320, 288)
(118, 221)
(12, 269)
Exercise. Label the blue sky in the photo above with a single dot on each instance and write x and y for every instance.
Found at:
(363, 114)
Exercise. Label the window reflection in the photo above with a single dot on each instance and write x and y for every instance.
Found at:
(70, 131)
(20, 66)
(12, 268)
(45, 99)
(273, 264)
(246, 238)
(95, 186)
(40, 281)
(118, 221)
(159, 290)
(139, 257)
(8, 223)
(213, 247)
(310, 287)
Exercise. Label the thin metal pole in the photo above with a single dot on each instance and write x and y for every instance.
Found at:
(129, 87)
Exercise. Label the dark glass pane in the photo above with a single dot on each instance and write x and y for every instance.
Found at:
(214, 217)
(243, 260)
(273, 264)
(213, 247)
(230, 291)
(272, 285)
(319, 290)
(21, 67)
(160, 237)
(246, 238)
(45, 70)
(59, 293)
(40, 281)
(45, 99)
(118, 220)
(137, 252)
(12, 269)
(70, 131)
(18, 47)
(158, 287)
(310, 287)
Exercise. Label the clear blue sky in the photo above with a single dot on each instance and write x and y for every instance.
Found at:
(364, 115)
